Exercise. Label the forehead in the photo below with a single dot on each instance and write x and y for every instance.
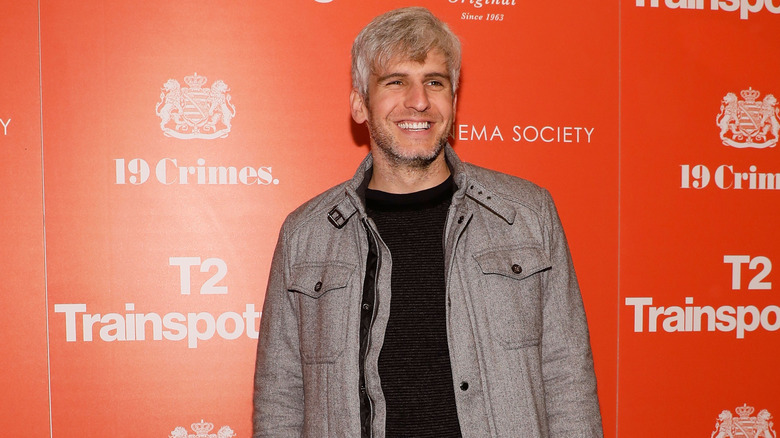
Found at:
(433, 62)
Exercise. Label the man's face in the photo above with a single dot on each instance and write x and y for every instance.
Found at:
(410, 110)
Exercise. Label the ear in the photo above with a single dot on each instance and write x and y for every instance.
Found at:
(358, 107)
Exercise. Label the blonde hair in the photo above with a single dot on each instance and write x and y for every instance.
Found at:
(406, 33)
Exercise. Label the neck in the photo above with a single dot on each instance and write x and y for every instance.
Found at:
(396, 178)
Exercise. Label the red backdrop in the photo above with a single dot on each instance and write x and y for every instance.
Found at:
(137, 235)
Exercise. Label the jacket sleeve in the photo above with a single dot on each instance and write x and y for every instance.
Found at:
(567, 362)
(278, 386)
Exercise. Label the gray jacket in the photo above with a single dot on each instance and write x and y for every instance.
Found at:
(518, 338)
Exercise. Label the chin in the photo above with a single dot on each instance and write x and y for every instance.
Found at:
(419, 158)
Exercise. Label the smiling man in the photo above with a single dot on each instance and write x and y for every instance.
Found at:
(425, 297)
(409, 117)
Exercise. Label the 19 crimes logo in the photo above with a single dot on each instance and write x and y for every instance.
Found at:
(169, 171)
(745, 7)
(728, 318)
(202, 430)
(745, 425)
(726, 177)
(194, 327)
(195, 111)
(747, 123)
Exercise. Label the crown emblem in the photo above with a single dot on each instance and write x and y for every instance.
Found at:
(744, 411)
(195, 111)
(749, 122)
(745, 425)
(750, 95)
(202, 430)
(194, 81)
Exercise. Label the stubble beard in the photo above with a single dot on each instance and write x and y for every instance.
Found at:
(390, 148)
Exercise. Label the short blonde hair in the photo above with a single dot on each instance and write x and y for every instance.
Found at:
(408, 33)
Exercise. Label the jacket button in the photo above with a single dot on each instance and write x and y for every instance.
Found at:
(318, 286)
(366, 306)
(464, 386)
(517, 268)
(460, 220)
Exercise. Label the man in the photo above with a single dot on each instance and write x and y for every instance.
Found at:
(425, 297)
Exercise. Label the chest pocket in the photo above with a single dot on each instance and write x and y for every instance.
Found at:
(513, 293)
(323, 299)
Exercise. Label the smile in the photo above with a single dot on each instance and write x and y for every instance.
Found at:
(414, 126)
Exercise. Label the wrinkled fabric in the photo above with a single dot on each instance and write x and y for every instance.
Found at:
(517, 332)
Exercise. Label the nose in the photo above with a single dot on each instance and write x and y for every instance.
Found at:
(417, 98)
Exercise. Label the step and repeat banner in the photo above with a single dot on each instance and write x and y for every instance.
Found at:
(699, 186)
(151, 150)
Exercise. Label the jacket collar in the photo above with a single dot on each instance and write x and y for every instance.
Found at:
(468, 187)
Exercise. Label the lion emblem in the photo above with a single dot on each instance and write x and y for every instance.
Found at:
(220, 100)
(194, 110)
(744, 426)
(728, 117)
(202, 431)
(748, 122)
(179, 432)
(225, 432)
(170, 99)
(764, 425)
(724, 427)
(769, 114)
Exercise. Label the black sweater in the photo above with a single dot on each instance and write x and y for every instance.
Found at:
(414, 364)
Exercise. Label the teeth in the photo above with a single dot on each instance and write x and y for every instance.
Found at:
(414, 126)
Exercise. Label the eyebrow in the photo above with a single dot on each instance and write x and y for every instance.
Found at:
(435, 75)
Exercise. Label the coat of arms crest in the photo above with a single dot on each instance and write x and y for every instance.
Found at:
(744, 426)
(195, 111)
(202, 430)
(749, 123)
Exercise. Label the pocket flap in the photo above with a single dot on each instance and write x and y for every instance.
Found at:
(516, 262)
(315, 279)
